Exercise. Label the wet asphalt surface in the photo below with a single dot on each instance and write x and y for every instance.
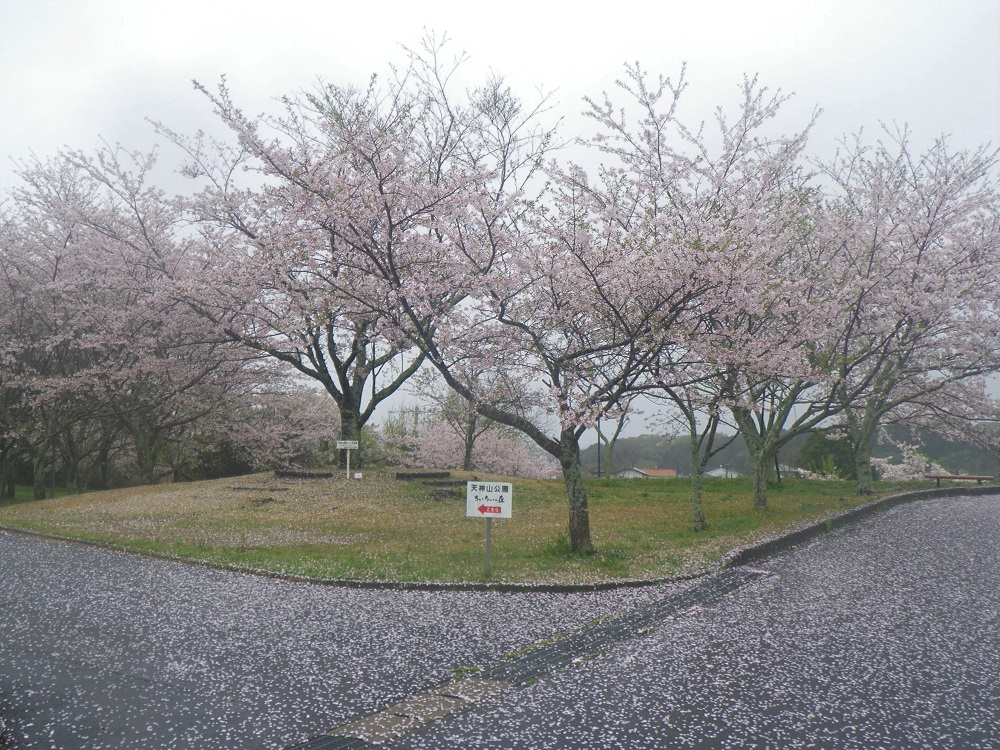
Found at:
(106, 650)
(883, 634)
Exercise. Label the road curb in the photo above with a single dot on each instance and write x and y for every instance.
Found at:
(502, 587)
(772, 545)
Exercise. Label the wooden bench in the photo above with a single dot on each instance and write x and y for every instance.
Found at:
(949, 477)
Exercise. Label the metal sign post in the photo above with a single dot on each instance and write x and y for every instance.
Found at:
(489, 537)
(488, 500)
(347, 445)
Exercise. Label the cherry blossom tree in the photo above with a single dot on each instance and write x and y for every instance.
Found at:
(42, 348)
(112, 347)
(962, 410)
(284, 425)
(16, 331)
(899, 263)
(356, 188)
(696, 408)
(564, 306)
(494, 452)
(739, 200)
(917, 238)
(497, 387)
(263, 281)
(912, 466)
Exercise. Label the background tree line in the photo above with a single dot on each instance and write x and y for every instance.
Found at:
(814, 452)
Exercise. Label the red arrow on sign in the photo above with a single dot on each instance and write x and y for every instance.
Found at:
(489, 509)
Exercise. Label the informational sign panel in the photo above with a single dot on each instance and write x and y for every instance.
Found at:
(488, 499)
(348, 445)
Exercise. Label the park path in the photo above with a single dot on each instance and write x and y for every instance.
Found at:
(100, 649)
(882, 634)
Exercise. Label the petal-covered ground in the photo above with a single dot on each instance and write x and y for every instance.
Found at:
(885, 634)
(882, 635)
(109, 650)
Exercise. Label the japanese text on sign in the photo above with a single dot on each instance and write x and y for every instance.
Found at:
(488, 499)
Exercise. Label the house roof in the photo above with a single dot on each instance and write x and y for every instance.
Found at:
(658, 473)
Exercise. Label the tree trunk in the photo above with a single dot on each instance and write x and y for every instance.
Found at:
(39, 478)
(104, 466)
(697, 477)
(148, 445)
(73, 461)
(579, 515)
(761, 466)
(470, 440)
(760, 456)
(761, 460)
(609, 460)
(6, 477)
(350, 429)
(863, 466)
(609, 447)
(860, 433)
(146, 463)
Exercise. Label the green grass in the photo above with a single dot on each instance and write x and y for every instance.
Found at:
(381, 529)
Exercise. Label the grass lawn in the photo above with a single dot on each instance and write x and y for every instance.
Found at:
(378, 528)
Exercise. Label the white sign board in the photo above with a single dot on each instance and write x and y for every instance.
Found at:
(351, 445)
(488, 499)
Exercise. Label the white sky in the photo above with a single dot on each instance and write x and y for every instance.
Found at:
(72, 71)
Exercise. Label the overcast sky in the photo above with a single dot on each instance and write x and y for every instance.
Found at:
(74, 71)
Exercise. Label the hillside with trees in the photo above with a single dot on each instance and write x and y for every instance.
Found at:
(814, 452)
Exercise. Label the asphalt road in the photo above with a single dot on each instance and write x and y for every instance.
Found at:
(884, 634)
(108, 650)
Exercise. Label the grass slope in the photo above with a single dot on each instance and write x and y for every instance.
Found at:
(381, 529)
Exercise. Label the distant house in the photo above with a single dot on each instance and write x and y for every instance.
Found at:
(790, 471)
(636, 473)
(722, 472)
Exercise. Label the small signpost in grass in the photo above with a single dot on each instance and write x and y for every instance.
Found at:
(488, 500)
(347, 445)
